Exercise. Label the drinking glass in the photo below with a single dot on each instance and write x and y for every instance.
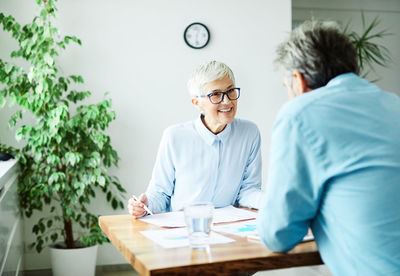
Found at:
(198, 218)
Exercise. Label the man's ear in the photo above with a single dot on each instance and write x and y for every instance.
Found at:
(300, 83)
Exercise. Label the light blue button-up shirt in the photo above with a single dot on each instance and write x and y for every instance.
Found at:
(335, 166)
(193, 164)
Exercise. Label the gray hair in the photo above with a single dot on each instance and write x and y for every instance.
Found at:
(319, 50)
(206, 73)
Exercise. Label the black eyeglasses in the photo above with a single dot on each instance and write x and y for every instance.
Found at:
(218, 97)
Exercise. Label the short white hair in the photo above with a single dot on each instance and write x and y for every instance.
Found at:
(206, 73)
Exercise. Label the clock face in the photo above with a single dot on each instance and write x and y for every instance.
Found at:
(196, 35)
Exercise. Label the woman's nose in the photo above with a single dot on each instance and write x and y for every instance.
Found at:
(225, 99)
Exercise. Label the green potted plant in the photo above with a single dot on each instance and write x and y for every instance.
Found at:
(66, 153)
(369, 51)
(6, 152)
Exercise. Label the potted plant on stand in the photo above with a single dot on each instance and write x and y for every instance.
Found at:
(67, 153)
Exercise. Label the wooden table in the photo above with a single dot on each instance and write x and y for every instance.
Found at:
(241, 256)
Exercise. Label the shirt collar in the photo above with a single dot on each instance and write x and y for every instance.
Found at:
(210, 137)
(342, 78)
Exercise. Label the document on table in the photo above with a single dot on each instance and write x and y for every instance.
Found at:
(176, 219)
(178, 237)
(249, 229)
(309, 236)
(243, 228)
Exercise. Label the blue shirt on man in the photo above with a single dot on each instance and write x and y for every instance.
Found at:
(193, 164)
(335, 167)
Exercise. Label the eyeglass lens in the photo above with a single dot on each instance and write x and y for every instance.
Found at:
(217, 97)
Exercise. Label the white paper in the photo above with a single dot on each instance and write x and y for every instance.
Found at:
(231, 214)
(243, 228)
(309, 236)
(178, 237)
(176, 219)
(170, 219)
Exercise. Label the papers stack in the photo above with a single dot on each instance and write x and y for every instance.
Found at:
(176, 219)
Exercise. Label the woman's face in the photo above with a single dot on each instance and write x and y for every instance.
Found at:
(217, 116)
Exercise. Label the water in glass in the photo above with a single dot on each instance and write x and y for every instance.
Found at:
(198, 218)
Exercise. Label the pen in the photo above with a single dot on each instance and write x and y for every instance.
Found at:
(144, 206)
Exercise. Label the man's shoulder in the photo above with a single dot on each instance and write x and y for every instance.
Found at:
(294, 107)
(343, 89)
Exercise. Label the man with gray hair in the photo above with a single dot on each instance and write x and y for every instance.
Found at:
(335, 158)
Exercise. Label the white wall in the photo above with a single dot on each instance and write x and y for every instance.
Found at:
(135, 50)
(344, 11)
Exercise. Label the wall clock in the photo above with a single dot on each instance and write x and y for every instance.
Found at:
(196, 35)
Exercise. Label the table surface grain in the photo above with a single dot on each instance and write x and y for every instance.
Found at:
(243, 255)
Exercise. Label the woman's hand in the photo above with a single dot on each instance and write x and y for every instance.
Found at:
(136, 208)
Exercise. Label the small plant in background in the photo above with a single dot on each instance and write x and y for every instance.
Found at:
(67, 153)
(369, 51)
(7, 152)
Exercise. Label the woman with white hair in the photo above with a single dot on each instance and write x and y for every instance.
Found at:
(214, 158)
